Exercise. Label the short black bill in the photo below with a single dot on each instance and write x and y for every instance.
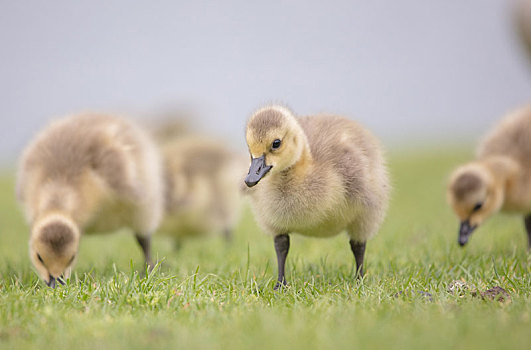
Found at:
(257, 171)
(465, 231)
(51, 282)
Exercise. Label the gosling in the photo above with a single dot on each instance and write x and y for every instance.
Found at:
(522, 12)
(202, 191)
(316, 176)
(87, 173)
(498, 180)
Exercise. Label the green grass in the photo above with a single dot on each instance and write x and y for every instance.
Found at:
(214, 295)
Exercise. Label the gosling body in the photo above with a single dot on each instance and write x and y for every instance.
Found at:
(316, 176)
(202, 192)
(499, 178)
(87, 173)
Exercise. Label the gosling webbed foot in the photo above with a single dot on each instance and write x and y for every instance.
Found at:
(280, 285)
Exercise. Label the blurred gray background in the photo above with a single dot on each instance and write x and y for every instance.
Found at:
(410, 70)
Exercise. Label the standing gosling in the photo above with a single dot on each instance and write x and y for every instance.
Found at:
(87, 173)
(318, 176)
(202, 187)
(499, 179)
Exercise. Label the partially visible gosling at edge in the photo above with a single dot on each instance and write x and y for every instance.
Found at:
(316, 176)
(202, 178)
(498, 180)
(87, 173)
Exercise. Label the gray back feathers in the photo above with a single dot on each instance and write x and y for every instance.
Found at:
(345, 146)
(87, 165)
(512, 137)
(72, 146)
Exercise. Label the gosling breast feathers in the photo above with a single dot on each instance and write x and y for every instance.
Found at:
(499, 179)
(316, 176)
(202, 189)
(86, 173)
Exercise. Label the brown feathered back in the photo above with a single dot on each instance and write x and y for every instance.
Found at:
(511, 137)
(355, 143)
(77, 161)
(71, 146)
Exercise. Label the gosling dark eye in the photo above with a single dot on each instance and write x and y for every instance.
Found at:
(276, 144)
(40, 258)
(477, 206)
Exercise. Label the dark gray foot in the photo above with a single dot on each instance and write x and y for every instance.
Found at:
(282, 249)
(145, 244)
(177, 244)
(358, 248)
(227, 235)
(527, 222)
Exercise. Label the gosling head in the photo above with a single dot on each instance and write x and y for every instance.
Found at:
(53, 248)
(474, 195)
(275, 141)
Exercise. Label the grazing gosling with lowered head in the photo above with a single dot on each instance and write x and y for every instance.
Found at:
(498, 180)
(202, 178)
(316, 176)
(87, 173)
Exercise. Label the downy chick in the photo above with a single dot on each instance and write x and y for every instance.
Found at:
(202, 187)
(87, 173)
(316, 176)
(498, 180)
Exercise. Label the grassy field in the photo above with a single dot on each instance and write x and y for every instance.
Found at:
(216, 295)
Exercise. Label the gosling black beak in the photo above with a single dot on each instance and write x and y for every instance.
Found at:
(257, 171)
(465, 231)
(51, 281)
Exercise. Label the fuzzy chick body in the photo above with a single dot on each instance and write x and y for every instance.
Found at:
(202, 179)
(498, 180)
(327, 176)
(87, 173)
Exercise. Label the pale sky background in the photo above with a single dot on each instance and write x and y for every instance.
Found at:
(410, 70)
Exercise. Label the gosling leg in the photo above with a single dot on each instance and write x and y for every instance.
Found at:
(227, 235)
(281, 248)
(358, 248)
(145, 244)
(177, 244)
(527, 222)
